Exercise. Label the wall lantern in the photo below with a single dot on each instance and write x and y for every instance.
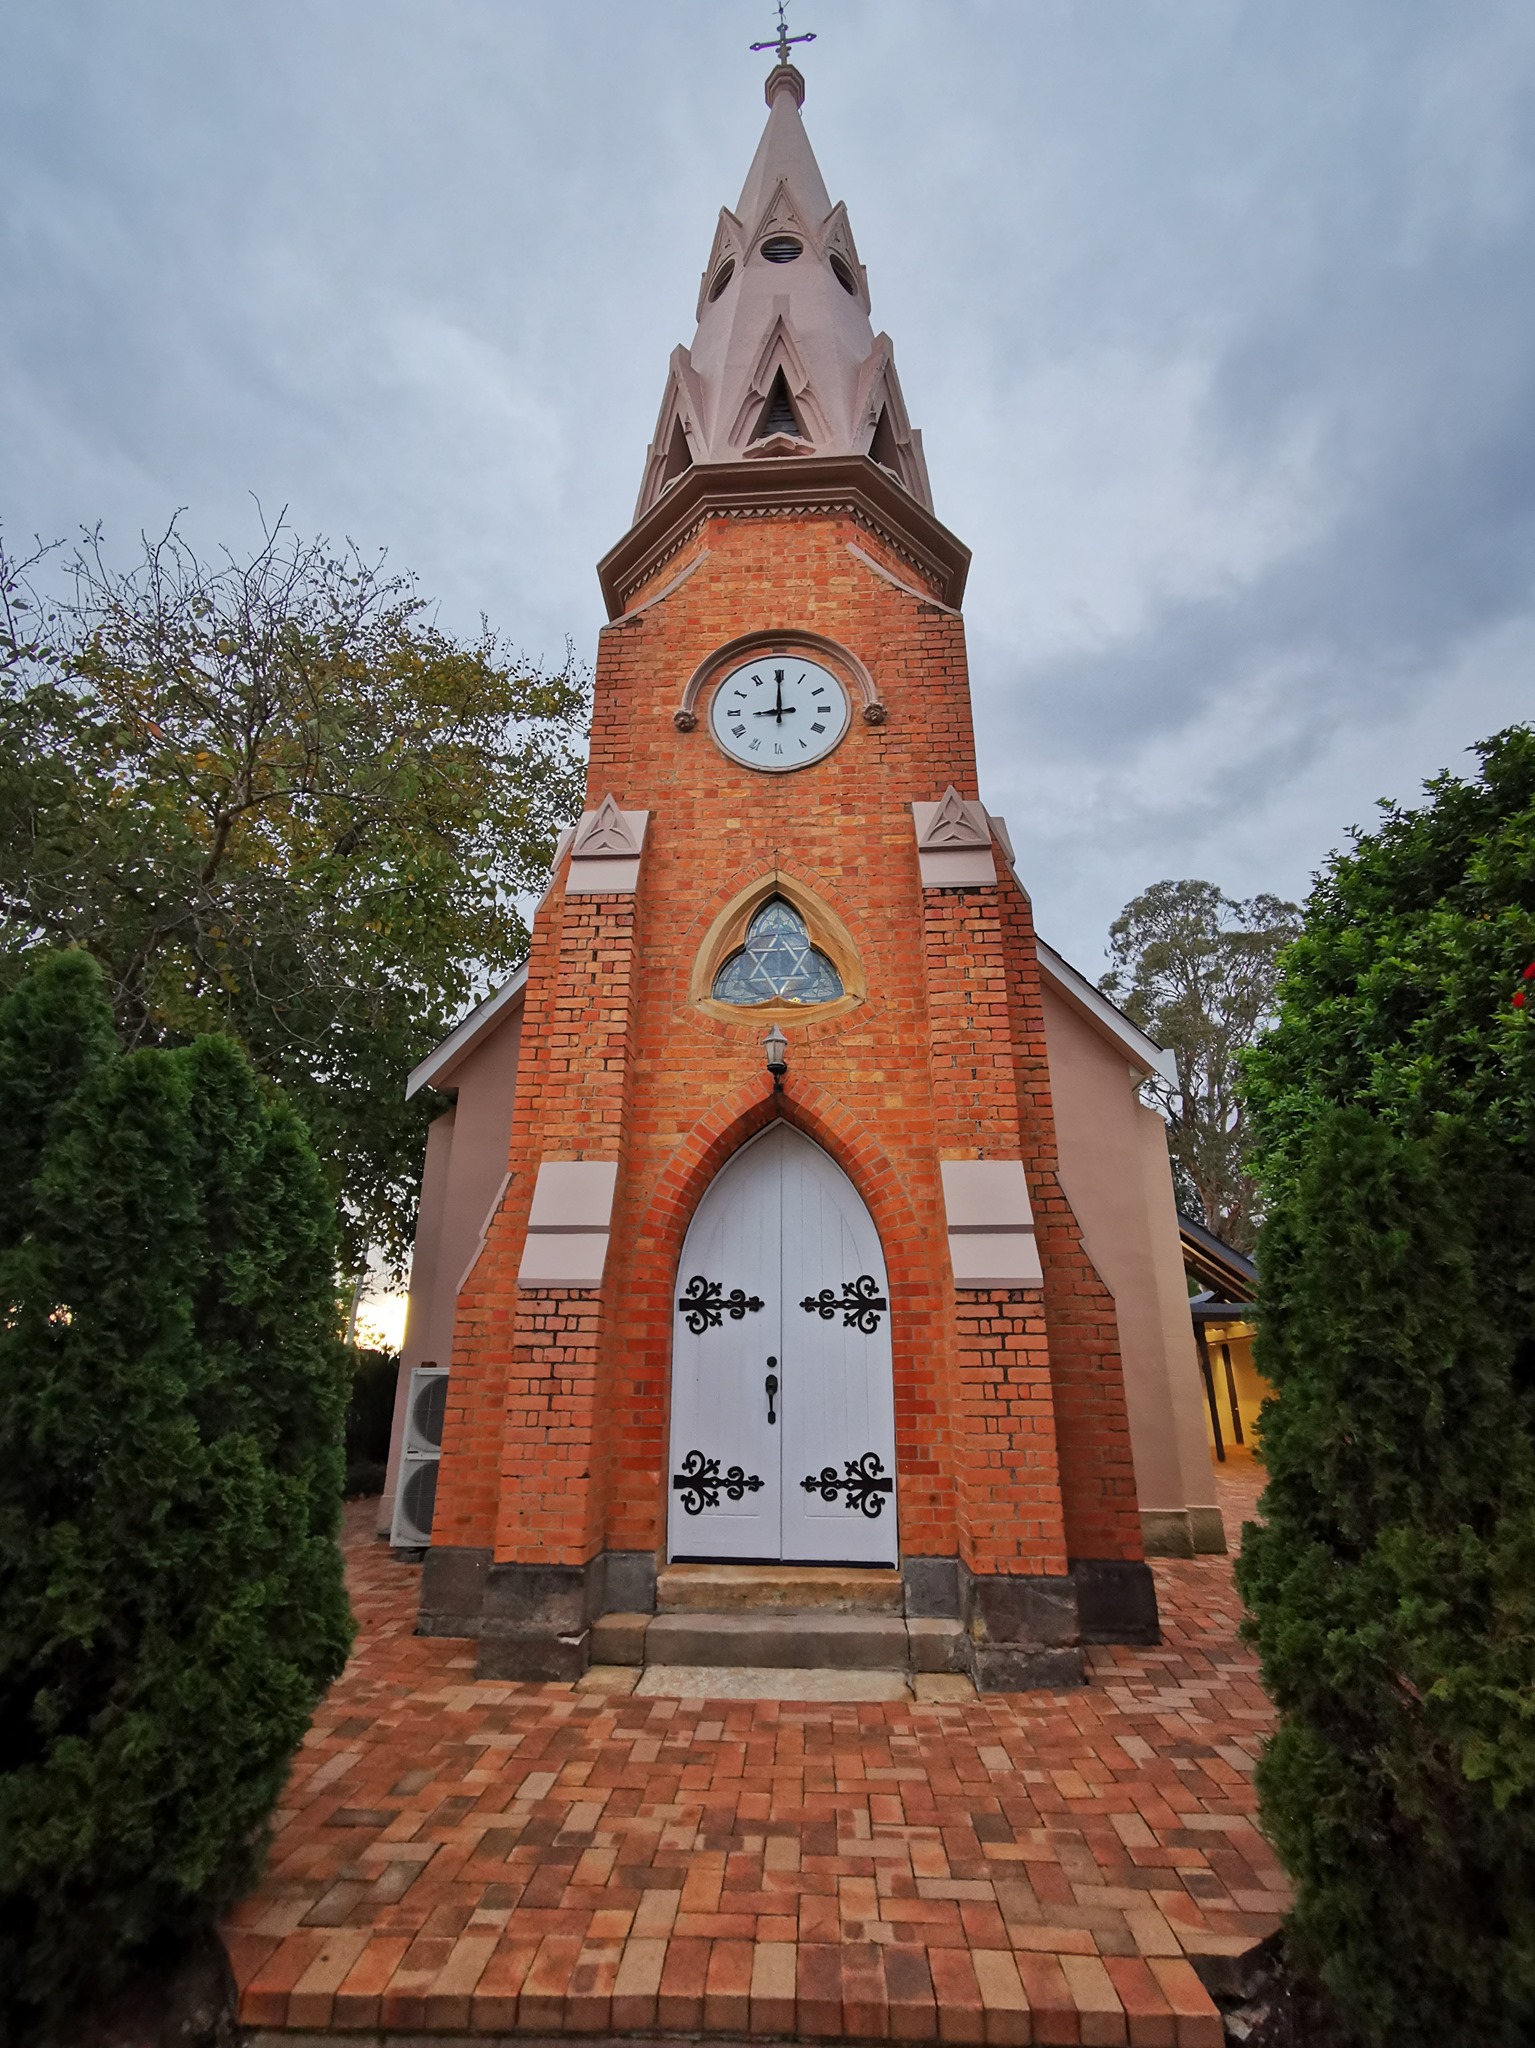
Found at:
(776, 1047)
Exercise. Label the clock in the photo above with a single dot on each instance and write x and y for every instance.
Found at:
(778, 713)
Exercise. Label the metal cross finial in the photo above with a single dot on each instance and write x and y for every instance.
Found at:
(783, 41)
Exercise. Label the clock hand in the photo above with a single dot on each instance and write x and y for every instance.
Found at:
(780, 712)
(779, 706)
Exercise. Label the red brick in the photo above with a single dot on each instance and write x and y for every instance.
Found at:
(818, 1990)
(1052, 2008)
(958, 1996)
(680, 2001)
(909, 1982)
(1199, 2024)
(1149, 2016)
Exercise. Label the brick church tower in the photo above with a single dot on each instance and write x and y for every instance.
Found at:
(780, 1279)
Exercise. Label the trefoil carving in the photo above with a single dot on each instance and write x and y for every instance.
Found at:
(954, 824)
(606, 831)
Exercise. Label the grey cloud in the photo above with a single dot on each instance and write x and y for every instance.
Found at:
(1218, 317)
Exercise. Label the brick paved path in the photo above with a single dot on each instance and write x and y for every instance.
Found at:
(489, 1858)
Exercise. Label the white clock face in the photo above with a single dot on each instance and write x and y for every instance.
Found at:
(778, 713)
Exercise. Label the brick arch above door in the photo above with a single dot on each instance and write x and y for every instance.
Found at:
(920, 1295)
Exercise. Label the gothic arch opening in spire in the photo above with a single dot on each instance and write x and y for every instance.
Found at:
(778, 415)
(679, 457)
(883, 448)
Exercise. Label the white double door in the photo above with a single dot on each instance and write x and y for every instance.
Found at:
(783, 1413)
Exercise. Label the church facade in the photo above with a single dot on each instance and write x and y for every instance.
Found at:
(796, 1211)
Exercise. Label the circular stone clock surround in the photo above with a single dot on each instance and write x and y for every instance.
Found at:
(829, 654)
(778, 712)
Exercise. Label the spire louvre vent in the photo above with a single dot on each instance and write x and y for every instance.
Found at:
(722, 277)
(842, 271)
(778, 415)
(782, 248)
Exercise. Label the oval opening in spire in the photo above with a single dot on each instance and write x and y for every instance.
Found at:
(722, 277)
(842, 271)
(782, 248)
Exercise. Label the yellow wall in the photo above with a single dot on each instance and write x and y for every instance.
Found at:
(1235, 1341)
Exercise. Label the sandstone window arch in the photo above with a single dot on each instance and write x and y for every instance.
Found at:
(727, 937)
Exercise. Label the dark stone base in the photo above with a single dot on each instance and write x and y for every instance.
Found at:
(1208, 1531)
(629, 1582)
(1117, 1601)
(530, 1655)
(1022, 1610)
(1021, 1630)
(532, 1621)
(932, 1588)
(1005, 1667)
(537, 1620)
(452, 1591)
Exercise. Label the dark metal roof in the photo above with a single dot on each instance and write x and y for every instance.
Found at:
(1227, 1275)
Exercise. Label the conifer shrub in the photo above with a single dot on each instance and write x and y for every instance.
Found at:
(171, 1396)
(1391, 1584)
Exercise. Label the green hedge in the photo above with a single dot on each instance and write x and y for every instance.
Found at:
(1392, 1583)
(171, 1396)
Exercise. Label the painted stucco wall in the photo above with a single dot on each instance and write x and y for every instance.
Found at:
(461, 1181)
(1113, 1167)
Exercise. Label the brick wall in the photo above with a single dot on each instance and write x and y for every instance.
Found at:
(556, 1440)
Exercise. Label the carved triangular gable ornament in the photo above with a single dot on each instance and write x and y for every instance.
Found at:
(729, 241)
(837, 239)
(680, 407)
(885, 431)
(780, 357)
(784, 217)
(605, 830)
(955, 823)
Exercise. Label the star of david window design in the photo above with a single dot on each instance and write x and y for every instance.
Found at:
(777, 964)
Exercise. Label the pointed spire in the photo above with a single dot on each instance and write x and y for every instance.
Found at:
(785, 360)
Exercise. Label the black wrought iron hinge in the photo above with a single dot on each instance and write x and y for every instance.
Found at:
(861, 1303)
(864, 1488)
(700, 1482)
(705, 1304)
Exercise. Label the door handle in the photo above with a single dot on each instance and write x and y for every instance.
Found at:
(771, 1383)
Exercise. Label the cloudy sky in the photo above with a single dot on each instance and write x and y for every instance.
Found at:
(1218, 317)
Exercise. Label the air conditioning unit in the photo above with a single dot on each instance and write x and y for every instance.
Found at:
(415, 1497)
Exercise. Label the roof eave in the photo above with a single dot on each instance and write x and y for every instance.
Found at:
(439, 1066)
(797, 483)
(1110, 1021)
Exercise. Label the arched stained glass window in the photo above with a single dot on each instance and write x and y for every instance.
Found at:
(777, 963)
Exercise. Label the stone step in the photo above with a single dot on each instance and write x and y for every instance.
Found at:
(802, 1639)
(929, 1646)
(835, 1589)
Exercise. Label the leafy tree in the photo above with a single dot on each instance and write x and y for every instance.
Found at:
(1196, 970)
(274, 799)
(1392, 1582)
(171, 1392)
